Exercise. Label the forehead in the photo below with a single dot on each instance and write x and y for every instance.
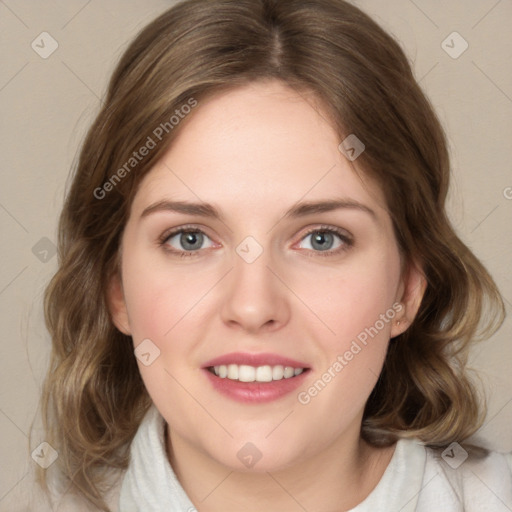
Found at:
(260, 146)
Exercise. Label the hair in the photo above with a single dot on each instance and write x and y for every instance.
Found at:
(94, 398)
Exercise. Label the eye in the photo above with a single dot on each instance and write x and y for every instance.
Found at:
(328, 240)
(186, 241)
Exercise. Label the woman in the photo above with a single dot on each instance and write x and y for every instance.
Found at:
(260, 301)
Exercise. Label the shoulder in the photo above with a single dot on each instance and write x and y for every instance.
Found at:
(475, 480)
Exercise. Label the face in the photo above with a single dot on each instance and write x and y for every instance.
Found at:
(262, 280)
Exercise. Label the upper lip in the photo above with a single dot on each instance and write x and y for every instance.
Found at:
(262, 359)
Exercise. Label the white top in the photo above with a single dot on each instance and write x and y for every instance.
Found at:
(417, 479)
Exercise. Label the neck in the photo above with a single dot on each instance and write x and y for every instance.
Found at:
(338, 478)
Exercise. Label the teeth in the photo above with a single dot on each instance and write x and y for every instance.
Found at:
(288, 372)
(264, 374)
(246, 373)
(233, 372)
(277, 372)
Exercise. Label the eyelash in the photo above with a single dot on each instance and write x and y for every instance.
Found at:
(345, 238)
(342, 234)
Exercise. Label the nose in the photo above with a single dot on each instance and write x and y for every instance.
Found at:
(255, 300)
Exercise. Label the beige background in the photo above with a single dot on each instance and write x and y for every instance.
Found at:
(47, 105)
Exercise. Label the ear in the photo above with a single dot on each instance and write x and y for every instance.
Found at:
(117, 304)
(409, 296)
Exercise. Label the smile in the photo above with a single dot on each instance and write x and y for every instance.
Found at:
(255, 378)
(246, 373)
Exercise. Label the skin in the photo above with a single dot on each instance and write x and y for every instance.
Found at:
(253, 153)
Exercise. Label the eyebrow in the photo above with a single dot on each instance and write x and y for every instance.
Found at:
(301, 209)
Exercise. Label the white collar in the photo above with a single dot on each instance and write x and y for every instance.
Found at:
(400, 486)
(150, 484)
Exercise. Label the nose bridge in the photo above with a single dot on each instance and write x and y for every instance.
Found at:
(251, 267)
(254, 297)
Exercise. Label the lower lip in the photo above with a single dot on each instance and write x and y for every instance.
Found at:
(255, 392)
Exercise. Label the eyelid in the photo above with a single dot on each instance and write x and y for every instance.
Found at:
(187, 228)
(346, 237)
(343, 233)
(183, 228)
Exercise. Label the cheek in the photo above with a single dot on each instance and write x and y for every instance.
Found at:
(357, 307)
(366, 294)
(160, 305)
(168, 303)
(160, 295)
(353, 297)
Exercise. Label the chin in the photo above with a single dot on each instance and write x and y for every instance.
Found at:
(257, 457)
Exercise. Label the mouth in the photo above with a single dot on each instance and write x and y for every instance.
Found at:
(247, 373)
(255, 378)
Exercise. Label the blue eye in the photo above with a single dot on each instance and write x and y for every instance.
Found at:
(322, 241)
(327, 240)
(187, 240)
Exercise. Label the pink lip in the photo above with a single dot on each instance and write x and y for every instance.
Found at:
(254, 392)
(254, 360)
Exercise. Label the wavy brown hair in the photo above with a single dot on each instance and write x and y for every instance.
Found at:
(94, 398)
